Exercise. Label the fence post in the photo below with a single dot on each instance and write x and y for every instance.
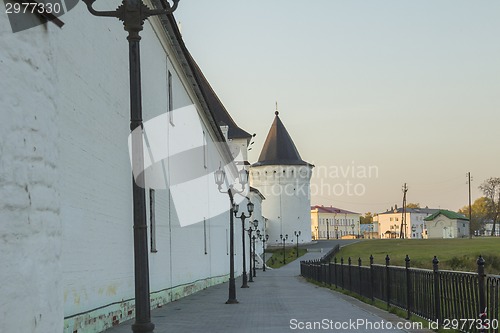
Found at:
(329, 273)
(335, 272)
(482, 295)
(408, 287)
(388, 280)
(342, 271)
(350, 274)
(359, 275)
(437, 296)
(371, 278)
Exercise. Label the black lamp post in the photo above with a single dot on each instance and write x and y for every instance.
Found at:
(220, 179)
(133, 13)
(254, 253)
(264, 239)
(297, 234)
(327, 229)
(352, 226)
(250, 206)
(337, 232)
(250, 231)
(283, 239)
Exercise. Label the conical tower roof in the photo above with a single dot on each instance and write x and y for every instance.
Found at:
(279, 148)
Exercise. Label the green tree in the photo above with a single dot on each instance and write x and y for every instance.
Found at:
(480, 212)
(413, 205)
(491, 189)
(368, 218)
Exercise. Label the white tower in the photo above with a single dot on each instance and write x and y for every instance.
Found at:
(284, 179)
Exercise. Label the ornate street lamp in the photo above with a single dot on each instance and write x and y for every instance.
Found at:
(297, 234)
(133, 13)
(220, 179)
(250, 207)
(336, 231)
(250, 231)
(264, 240)
(317, 233)
(352, 226)
(283, 239)
(254, 252)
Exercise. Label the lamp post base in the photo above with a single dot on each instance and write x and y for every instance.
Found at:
(245, 280)
(232, 301)
(143, 327)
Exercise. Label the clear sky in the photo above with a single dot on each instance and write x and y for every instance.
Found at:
(408, 88)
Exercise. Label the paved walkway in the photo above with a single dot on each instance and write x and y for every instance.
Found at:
(278, 301)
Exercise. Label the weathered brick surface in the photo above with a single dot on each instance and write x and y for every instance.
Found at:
(30, 226)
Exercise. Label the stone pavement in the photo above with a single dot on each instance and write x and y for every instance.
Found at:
(278, 301)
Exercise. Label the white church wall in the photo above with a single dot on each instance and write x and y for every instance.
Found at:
(30, 222)
(66, 180)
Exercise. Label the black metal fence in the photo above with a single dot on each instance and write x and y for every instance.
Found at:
(464, 301)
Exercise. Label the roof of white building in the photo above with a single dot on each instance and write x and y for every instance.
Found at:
(331, 209)
(411, 210)
(448, 213)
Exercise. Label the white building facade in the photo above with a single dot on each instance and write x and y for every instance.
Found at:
(66, 234)
(447, 224)
(284, 179)
(389, 223)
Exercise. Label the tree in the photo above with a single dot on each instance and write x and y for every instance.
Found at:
(480, 213)
(368, 218)
(491, 189)
(413, 205)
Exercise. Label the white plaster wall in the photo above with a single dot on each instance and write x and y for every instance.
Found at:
(287, 205)
(97, 203)
(30, 224)
(65, 180)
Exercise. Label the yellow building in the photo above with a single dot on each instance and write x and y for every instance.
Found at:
(334, 223)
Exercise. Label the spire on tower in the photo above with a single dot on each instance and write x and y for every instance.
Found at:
(276, 112)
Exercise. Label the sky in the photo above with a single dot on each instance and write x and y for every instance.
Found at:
(374, 93)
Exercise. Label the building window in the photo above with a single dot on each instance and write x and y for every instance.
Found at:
(152, 220)
(170, 99)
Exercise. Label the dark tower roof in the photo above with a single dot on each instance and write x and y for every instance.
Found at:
(279, 148)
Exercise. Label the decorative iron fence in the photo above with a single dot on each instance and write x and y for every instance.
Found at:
(464, 301)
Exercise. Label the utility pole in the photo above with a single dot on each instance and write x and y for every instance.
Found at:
(470, 206)
(402, 232)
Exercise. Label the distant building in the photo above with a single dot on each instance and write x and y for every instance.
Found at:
(369, 230)
(447, 224)
(488, 226)
(283, 178)
(389, 223)
(334, 223)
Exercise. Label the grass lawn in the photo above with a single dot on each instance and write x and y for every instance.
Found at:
(453, 254)
(276, 260)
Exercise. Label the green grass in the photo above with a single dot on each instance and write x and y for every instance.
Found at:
(276, 260)
(453, 254)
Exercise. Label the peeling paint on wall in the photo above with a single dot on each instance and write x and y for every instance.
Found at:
(104, 318)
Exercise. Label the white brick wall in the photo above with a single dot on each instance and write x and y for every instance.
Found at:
(30, 225)
(66, 237)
